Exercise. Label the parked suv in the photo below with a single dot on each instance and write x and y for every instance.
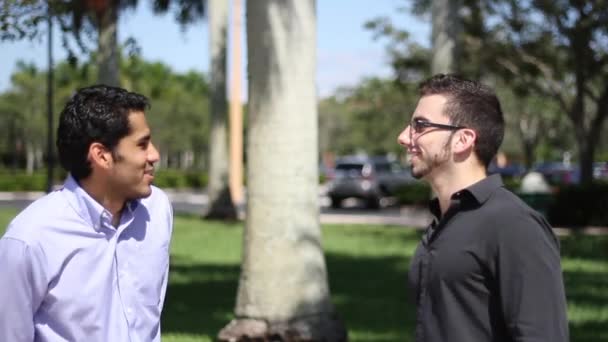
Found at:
(366, 178)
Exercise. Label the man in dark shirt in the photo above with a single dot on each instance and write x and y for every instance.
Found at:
(488, 267)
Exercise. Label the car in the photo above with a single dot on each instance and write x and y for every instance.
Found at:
(600, 171)
(369, 178)
(557, 173)
(508, 171)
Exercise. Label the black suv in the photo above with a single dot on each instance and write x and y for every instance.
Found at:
(366, 178)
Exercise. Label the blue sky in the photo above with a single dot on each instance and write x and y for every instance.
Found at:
(346, 52)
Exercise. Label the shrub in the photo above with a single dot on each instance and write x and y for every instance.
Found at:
(579, 205)
(415, 193)
(178, 179)
(512, 183)
(10, 181)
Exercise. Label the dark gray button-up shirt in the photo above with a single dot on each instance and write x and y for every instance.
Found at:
(488, 270)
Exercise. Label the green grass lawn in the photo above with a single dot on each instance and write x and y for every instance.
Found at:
(367, 268)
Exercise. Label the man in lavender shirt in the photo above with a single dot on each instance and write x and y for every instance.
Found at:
(89, 262)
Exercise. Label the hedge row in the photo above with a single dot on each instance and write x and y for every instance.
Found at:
(570, 205)
(178, 179)
(22, 182)
(12, 181)
(575, 205)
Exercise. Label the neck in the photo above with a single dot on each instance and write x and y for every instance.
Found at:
(458, 178)
(98, 191)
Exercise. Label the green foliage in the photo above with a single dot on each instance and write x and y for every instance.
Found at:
(179, 179)
(10, 181)
(512, 183)
(416, 193)
(179, 116)
(365, 118)
(551, 66)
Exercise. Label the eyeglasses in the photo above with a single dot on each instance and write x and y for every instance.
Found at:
(418, 125)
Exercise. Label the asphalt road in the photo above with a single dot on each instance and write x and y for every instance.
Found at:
(354, 212)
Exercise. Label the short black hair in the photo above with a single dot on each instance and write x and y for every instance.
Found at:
(473, 105)
(97, 113)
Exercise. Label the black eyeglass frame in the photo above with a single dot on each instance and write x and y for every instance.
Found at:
(418, 124)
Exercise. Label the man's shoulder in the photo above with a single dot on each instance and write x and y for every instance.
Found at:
(509, 214)
(504, 203)
(31, 223)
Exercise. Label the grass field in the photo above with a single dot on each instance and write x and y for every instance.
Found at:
(367, 268)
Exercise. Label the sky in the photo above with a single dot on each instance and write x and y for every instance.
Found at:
(346, 51)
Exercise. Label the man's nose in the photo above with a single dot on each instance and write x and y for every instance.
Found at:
(153, 154)
(405, 138)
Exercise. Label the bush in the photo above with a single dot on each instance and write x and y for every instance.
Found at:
(10, 181)
(178, 179)
(578, 205)
(415, 193)
(166, 178)
(540, 202)
(512, 183)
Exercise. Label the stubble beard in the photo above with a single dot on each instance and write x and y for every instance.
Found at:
(424, 168)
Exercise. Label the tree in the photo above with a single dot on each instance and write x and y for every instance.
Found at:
(283, 288)
(21, 19)
(445, 35)
(23, 110)
(220, 202)
(365, 118)
(560, 49)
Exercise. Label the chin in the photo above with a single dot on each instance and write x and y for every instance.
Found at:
(142, 193)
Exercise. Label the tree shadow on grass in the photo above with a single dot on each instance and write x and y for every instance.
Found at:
(586, 291)
(200, 298)
(582, 246)
(595, 331)
(369, 294)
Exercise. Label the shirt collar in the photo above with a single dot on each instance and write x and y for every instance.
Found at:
(483, 189)
(478, 193)
(87, 207)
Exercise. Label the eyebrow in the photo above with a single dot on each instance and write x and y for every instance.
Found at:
(419, 117)
(145, 138)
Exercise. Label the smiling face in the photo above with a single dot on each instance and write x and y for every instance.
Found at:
(428, 147)
(132, 171)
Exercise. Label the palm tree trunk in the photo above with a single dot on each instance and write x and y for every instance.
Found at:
(283, 288)
(446, 27)
(220, 202)
(107, 54)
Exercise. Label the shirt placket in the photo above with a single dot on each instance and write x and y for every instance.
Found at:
(429, 237)
(126, 279)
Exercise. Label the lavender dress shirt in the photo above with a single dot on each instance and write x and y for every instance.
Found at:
(66, 274)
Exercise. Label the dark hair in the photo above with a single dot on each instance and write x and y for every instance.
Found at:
(472, 105)
(94, 114)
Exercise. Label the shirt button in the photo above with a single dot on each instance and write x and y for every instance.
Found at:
(129, 311)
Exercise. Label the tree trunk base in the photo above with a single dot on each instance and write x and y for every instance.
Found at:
(318, 328)
(222, 208)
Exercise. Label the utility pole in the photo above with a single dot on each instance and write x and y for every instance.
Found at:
(50, 151)
(236, 108)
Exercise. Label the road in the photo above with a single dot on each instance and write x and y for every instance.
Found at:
(193, 202)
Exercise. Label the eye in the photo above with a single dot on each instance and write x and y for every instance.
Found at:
(418, 125)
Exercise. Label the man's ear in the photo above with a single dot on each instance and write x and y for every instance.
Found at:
(465, 140)
(100, 156)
